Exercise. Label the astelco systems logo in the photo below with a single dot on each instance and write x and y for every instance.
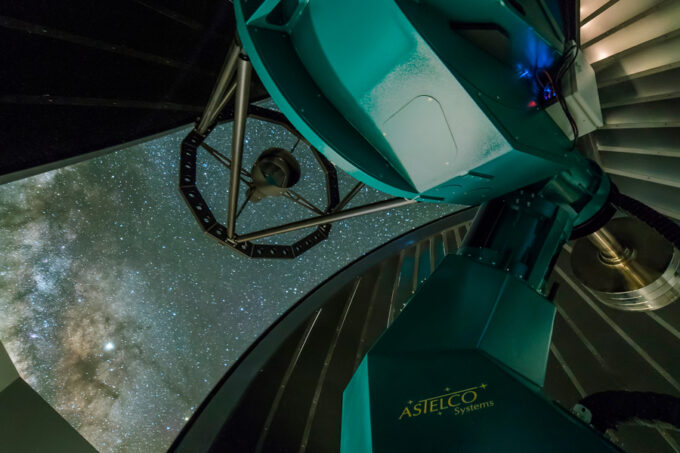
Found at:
(459, 402)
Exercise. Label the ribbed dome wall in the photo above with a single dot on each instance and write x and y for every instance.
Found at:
(634, 47)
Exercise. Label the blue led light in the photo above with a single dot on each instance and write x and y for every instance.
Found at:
(548, 93)
(523, 72)
(537, 58)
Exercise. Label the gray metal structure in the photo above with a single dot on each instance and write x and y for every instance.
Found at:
(235, 80)
(284, 393)
(297, 380)
(27, 422)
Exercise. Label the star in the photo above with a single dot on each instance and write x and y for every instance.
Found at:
(483, 386)
(124, 298)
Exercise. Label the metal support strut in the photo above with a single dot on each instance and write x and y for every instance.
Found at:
(220, 94)
(233, 83)
(240, 114)
(614, 254)
(610, 248)
(329, 218)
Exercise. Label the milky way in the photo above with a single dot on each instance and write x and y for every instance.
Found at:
(121, 313)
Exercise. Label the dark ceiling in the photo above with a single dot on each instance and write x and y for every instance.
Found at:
(82, 76)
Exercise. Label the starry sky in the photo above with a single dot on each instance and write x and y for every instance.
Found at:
(122, 314)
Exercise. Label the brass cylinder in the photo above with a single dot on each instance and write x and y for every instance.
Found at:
(628, 266)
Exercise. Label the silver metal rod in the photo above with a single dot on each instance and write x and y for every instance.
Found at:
(328, 218)
(173, 15)
(284, 382)
(352, 193)
(217, 95)
(395, 288)
(240, 115)
(243, 206)
(246, 177)
(361, 348)
(225, 99)
(324, 370)
(568, 371)
(614, 254)
(302, 201)
(607, 243)
(224, 160)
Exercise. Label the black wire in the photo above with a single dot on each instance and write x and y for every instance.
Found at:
(659, 222)
(572, 123)
(613, 408)
(295, 146)
(564, 67)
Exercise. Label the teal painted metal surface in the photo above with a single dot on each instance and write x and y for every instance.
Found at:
(471, 346)
(407, 97)
(489, 45)
(583, 189)
(478, 407)
(524, 231)
(456, 307)
(281, 71)
(428, 99)
(356, 435)
(460, 370)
